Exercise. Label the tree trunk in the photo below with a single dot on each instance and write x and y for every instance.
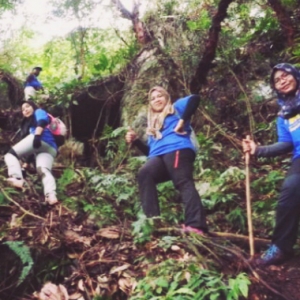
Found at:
(284, 20)
(15, 89)
(210, 47)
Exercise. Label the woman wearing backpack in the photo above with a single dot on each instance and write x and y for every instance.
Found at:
(171, 155)
(38, 141)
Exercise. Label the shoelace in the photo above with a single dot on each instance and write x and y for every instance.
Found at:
(273, 250)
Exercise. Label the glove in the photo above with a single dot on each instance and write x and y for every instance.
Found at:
(37, 142)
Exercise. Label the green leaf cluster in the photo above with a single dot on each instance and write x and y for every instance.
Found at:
(23, 252)
(173, 280)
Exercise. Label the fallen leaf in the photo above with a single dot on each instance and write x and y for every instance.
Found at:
(275, 268)
(175, 248)
(126, 285)
(14, 221)
(109, 233)
(73, 255)
(119, 269)
(76, 296)
(102, 279)
(52, 291)
(81, 285)
(73, 237)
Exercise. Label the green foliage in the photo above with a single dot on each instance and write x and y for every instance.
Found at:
(167, 241)
(246, 22)
(174, 280)
(238, 218)
(202, 23)
(266, 188)
(221, 189)
(8, 4)
(68, 176)
(116, 149)
(134, 163)
(23, 252)
(108, 197)
(203, 159)
(267, 185)
(290, 3)
(2, 199)
(80, 9)
(238, 286)
(63, 92)
(142, 229)
(166, 7)
(170, 206)
(118, 187)
(296, 52)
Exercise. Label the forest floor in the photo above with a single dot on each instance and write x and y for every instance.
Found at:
(68, 249)
(284, 278)
(58, 236)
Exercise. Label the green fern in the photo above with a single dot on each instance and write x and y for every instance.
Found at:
(23, 252)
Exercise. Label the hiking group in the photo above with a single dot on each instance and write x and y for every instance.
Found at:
(39, 142)
(171, 151)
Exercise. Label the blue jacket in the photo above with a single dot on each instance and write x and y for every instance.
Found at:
(170, 140)
(289, 131)
(47, 136)
(34, 82)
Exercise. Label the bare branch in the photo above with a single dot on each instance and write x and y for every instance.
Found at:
(210, 47)
(125, 13)
(135, 10)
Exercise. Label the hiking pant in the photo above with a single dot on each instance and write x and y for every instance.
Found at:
(288, 210)
(178, 167)
(29, 92)
(44, 160)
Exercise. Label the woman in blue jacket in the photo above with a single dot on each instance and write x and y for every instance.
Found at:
(171, 154)
(285, 80)
(40, 142)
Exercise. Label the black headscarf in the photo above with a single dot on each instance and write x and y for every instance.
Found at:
(289, 104)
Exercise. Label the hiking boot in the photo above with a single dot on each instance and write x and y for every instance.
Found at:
(16, 183)
(51, 199)
(188, 229)
(272, 256)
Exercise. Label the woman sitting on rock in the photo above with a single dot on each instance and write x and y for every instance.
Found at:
(38, 141)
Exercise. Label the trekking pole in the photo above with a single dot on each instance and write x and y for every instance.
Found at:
(248, 200)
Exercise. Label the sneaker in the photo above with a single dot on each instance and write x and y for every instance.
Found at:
(188, 229)
(51, 199)
(15, 182)
(272, 256)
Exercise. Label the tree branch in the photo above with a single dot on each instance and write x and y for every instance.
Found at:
(125, 13)
(210, 48)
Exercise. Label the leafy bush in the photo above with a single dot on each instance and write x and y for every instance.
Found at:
(142, 229)
(222, 188)
(174, 280)
(23, 252)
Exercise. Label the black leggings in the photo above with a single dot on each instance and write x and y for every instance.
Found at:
(288, 210)
(178, 167)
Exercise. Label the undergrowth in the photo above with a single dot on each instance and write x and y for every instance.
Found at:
(100, 198)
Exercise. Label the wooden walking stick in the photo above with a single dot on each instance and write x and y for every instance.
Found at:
(248, 200)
